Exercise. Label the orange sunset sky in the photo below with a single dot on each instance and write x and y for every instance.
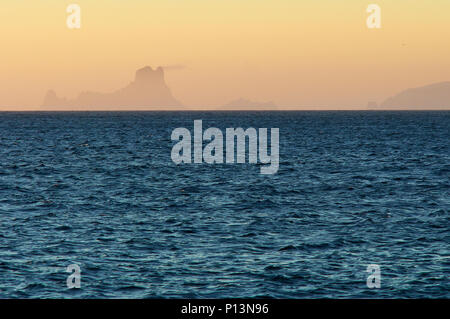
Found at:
(302, 53)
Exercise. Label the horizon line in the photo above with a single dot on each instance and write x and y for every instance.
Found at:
(221, 109)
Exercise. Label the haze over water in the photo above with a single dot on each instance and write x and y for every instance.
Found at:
(294, 53)
(100, 190)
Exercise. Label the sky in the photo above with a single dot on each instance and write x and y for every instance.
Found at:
(294, 52)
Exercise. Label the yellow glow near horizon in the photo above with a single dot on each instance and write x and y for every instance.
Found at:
(292, 52)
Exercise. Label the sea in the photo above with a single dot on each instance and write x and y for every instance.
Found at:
(360, 198)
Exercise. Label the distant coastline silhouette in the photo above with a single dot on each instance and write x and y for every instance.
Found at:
(434, 95)
(148, 89)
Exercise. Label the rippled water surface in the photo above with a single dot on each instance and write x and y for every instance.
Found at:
(100, 190)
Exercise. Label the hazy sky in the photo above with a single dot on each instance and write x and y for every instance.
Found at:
(292, 52)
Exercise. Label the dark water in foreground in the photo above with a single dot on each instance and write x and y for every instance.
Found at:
(100, 190)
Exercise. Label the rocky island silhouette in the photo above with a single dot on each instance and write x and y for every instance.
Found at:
(148, 89)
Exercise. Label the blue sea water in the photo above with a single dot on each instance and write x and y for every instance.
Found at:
(99, 189)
